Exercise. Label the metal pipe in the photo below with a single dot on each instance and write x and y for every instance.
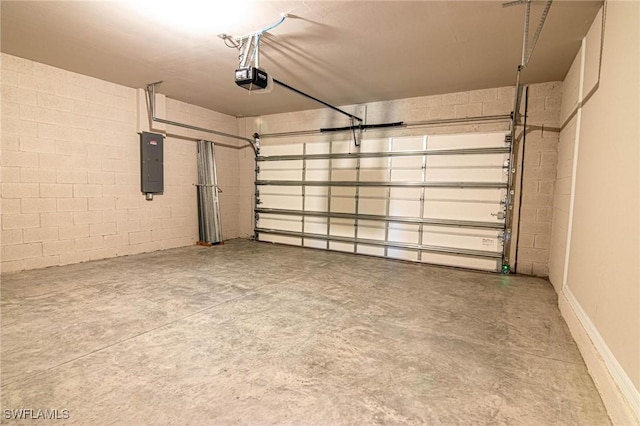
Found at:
(151, 92)
(481, 185)
(293, 89)
(191, 138)
(256, 192)
(381, 218)
(424, 123)
(525, 36)
(462, 151)
(524, 146)
(215, 191)
(406, 246)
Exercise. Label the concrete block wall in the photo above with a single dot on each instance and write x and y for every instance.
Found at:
(539, 168)
(539, 162)
(70, 171)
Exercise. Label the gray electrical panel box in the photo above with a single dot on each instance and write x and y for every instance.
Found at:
(151, 163)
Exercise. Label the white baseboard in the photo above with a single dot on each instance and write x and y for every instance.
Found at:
(620, 396)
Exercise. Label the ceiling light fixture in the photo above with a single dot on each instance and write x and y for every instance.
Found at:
(192, 16)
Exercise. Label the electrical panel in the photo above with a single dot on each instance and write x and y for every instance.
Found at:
(151, 163)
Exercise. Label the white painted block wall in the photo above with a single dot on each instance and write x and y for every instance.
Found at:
(70, 171)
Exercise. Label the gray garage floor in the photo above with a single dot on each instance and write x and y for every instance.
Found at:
(256, 333)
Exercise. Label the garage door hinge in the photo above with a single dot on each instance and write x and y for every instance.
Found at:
(508, 139)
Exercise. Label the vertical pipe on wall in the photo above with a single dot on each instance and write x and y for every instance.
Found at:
(521, 164)
(256, 192)
(215, 192)
(574, 171)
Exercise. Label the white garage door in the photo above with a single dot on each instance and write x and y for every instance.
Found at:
(435, 199)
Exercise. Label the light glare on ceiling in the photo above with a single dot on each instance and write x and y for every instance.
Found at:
(193, 16)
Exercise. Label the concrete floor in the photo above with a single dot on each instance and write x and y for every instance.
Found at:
(257, 333)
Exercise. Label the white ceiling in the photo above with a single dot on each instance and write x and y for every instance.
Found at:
(344, 52)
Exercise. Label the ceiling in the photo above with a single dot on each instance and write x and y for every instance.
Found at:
(344, 52)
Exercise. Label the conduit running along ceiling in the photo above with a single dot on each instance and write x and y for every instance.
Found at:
(343, 52)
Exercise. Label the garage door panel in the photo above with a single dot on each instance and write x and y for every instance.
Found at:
(372, 206)
(317, 191)
(318, 148)
(481, 212)
(407, 162)
(375, 145)
(316, 203)
(466, 140)
(317, 175)
(406, 175)
(404, 233)
(344, 191)
(289, 223)
(343, 205)
(459, 261)
(405, 193)
(280, 239)
(339, 246)
(404, 208)
(281, 165)
(342, 147)
(466, 194)
(496, 160)
(400, 194)
(276, 201)
(344, 175)
(319, 244)
(467, 241)
(281, 190)
(370, 250)
(369, 230)
(342, 228)
(374, 175)
(287, 149)
(281, 174)
(376, 192)
(466, 175)
(315, 225)
(402, 254)
(374, 163)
